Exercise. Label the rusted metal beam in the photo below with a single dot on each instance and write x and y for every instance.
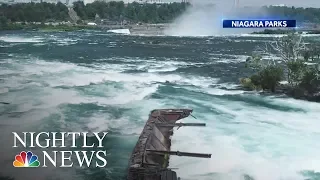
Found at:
(180, 124)
(178, 153)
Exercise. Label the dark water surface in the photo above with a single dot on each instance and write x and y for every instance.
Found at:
(94, 81)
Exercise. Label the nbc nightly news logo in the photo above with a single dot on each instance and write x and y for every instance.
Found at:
(259, 23)
(58, 140)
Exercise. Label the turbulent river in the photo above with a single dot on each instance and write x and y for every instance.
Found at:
(95, 81)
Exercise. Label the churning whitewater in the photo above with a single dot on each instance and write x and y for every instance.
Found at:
(95, 81)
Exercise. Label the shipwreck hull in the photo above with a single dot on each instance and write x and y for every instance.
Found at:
(146, 163)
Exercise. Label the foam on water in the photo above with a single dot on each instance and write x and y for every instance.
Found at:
(4, 90)
(283, 142)
(19, 39)
(221, 92)
(264, 137)
(75, 75)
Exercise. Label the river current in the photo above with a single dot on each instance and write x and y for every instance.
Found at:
(95, 81)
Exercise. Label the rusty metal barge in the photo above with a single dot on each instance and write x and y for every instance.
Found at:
(150, 157)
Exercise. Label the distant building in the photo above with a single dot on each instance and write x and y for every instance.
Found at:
(29, 1)
(279, 5)
(69, 2)
(15, 1)
(151, 1)
(139, 1)
(91, 1)
(88, 1)
(51, 1)
(162, 1)
(6, 1)
(92, 24)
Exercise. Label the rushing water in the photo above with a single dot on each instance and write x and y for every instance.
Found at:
(94, 81)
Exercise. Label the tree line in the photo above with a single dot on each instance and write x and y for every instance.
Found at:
(134, 12)
(114, 11)
(34, 12)
(31, 12)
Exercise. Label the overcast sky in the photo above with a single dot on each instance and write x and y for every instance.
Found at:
(298, 3)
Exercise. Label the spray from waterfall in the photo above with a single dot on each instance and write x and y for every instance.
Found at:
(204, 18)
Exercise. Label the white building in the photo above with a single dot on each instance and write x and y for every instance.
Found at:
(161, 1)
(91, 1)
(279, 5)
(88, 1)
(29, 1)
(6, 1)
(153, 1)
(15, 1)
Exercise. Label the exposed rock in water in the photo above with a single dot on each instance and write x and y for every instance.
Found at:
(247, 177)
(296, 93)
(155, 42)
(302, 94)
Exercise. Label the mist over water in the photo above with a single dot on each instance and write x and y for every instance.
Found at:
(204, 19)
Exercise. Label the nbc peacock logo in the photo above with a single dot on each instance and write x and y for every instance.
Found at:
(26, 160)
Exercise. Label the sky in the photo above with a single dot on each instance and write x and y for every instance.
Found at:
(297, 3)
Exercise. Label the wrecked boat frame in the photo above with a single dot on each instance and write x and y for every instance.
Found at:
(150, 157)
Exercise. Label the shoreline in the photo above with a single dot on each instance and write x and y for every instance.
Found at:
(287, 91)
(287, 31)
(145, 29)
(135, 29)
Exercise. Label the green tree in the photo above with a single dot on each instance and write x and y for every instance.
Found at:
(310, 82)
(269, 77)
(34, 12)
(294, 55)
